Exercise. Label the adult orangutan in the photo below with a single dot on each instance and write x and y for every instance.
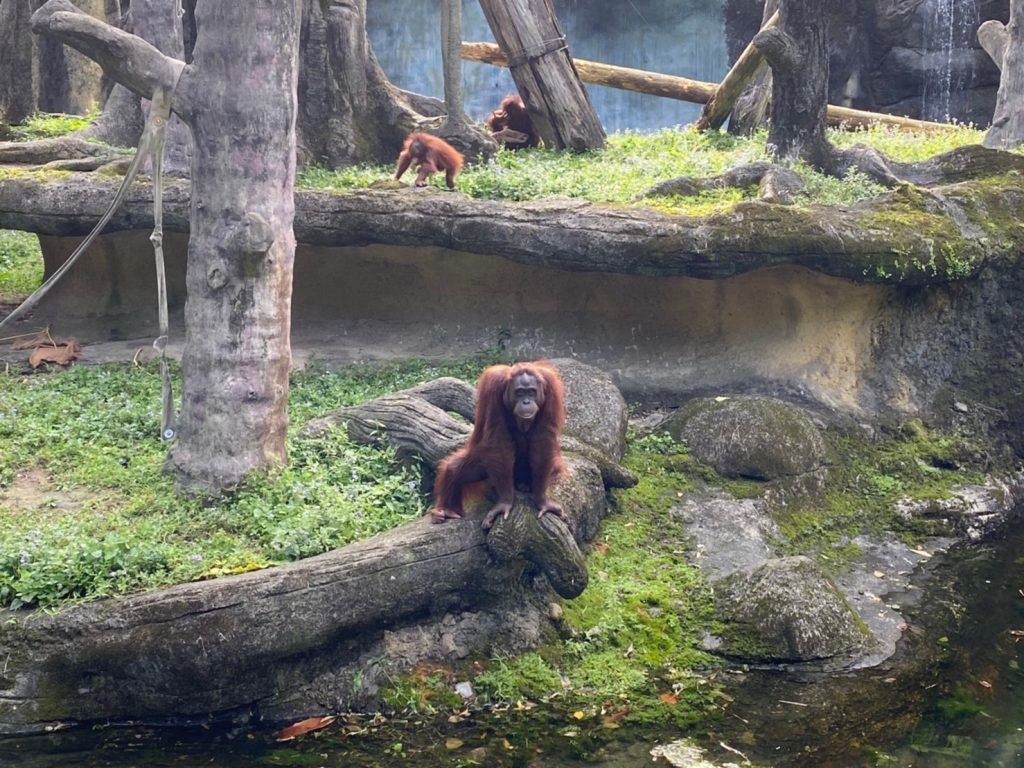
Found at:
(512, 115)
(520, 410)
(431, 155)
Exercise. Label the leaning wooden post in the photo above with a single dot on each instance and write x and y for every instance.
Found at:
(1007, 129)
(749, 63)
(542, 68)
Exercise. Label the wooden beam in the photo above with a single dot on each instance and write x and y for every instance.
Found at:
(720, 105)
(694, 91)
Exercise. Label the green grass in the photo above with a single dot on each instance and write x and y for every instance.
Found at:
(50, 125)
(631, 163)
(86, 511)
(21, 265)
(632, 647)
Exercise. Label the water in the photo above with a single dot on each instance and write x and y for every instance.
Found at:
(674, 37)
(950, 27)
(948, 700)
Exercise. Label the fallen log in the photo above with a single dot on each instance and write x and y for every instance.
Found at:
(695, 91)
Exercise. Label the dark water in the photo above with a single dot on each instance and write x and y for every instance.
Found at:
(952, 699)
(674, 37)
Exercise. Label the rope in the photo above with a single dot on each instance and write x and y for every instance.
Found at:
(151, 143)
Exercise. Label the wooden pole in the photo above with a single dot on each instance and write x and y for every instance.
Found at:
(718, 107)
(542, 68)
(695, 91)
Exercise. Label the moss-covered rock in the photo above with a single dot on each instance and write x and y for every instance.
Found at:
(787, 610)
(750, 437)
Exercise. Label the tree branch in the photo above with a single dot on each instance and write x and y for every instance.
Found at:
(778, 48)
(126, 58)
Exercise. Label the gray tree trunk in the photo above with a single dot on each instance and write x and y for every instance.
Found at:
(753, 105)
(17, 93)
(157, 22)
(1007, 129)
(349, 112)
(796, 50)
(239, 97)
(540, 63)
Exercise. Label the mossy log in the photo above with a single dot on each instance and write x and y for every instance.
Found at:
(214, 648)
(908, 236)
(415, 422)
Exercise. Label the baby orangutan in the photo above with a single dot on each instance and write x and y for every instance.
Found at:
(431, 155)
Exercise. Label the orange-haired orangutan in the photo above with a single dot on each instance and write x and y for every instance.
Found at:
(520, 410)
(431, 155)
(512, 115)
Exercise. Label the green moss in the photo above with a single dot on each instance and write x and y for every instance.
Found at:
(865, 486)
(923, 244)
(958, 706)
(631, 652)
(426, 691)
(47, 176)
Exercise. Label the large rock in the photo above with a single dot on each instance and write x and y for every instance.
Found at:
(787, 610)
(750, 437)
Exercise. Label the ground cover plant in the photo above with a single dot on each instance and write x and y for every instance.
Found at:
(85, 510)
(632, 163)
(21, 266)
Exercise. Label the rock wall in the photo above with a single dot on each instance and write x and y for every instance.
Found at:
(850, 346)
(918, 58)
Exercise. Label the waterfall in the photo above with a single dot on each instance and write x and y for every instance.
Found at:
(950, 27)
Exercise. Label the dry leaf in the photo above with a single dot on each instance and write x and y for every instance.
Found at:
(669, 698)
(62, 354)
(303, 726)
(985, 684)
(453, 743)
(611, 720)
(40, 339)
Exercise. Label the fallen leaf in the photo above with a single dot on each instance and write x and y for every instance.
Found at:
(453, 743)
(42, 338)
(579, 714)
(303, 726)
(611, 720)
(669, 698)
(600, 546)
(985, 684)
(62, 354)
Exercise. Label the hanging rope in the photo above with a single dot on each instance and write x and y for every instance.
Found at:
(151, 144)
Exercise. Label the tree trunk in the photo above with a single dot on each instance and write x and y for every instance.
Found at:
(239, 97)
(542, 68)
(797, 52)
(349, 112)
(1007, 129)
(17, 94)
(237, 352)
